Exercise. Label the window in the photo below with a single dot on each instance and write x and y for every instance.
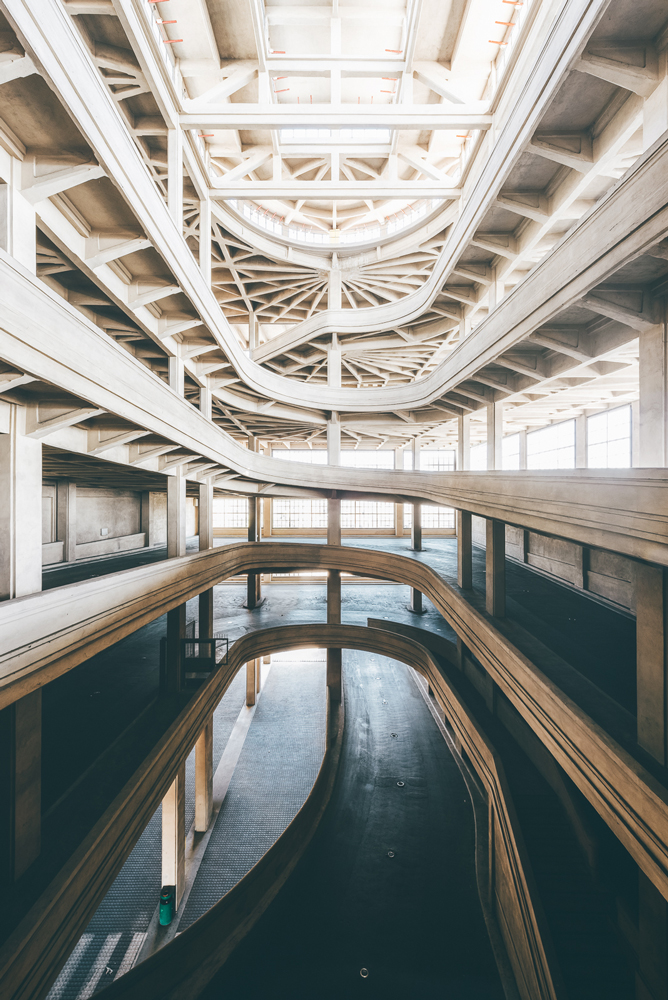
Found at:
(433, 518)
(299, 514)
(308, 455)
(437, 460)
(552, 447)
(609, 439)
(478, 458)
(230, 512)
(366, 514)
(511, 452)
(367, 459)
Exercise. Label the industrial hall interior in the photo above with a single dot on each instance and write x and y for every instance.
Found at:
(334, 499)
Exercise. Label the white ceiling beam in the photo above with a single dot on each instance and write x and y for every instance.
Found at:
(611, 62)
(17, 68)
(346, 190)
(47, 185)
(470, 117)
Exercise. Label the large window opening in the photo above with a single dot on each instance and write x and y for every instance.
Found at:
(609, 439)
(552, 447)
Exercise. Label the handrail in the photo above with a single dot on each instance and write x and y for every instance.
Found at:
(623, 512)
(61, 54)
(63, 627)
(32, 955)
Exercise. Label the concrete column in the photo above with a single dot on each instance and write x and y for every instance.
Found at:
(66, 518)
(205, 239)
(254, 580)
(334, 364)
(635, 434)
(653, 398)
(206, 542)
(253, 332)
(20, 785)
(495, 568)
(523, 449)
(416, 530)
(20, 509)
(172, 680)
(464, 550)
(495, 435)
(18, 232)
(204, 778)
(652, 971)
(333, 439)
(176, 514)
(399, 507)
(176, 372)
(251, 683)
(175, 175)
(334, 288)
(205, 401)
(258, 675)
(464, 443)
(174, 834)
(334, 657)
(651, 672)
(581, 442)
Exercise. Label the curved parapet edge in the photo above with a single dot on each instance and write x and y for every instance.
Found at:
(185, 965)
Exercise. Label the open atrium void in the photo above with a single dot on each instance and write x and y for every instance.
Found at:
(334, 499)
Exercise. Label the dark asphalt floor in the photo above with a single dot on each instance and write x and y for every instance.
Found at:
(413, 920)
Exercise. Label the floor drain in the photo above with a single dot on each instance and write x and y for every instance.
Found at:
(390, 854)
(394, 735)
(400, 784)
(364, 973)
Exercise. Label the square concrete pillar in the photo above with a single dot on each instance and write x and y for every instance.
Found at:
(254, 580)
(18, 231)
(20, 785)
(653, 398)
(251, 683)
(581, 442)
(495, 435)
(652, 660)
(333, 439)
(464, 443)
(464, 550)
(334, 364)
(175, 176)
(416, 601)
(174, 835)
(416, 528)
(205, 239)
(205, 401)
(495, 568)
(334, 658)
(20, 509)
(204, 778)
(66, 518)
(176, 375)
(523, 450)
(176, 514)
(205, 542)
(172, 678)
(333, 521)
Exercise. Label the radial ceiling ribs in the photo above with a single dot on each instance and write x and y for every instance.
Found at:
(393, 353)
(122, 5)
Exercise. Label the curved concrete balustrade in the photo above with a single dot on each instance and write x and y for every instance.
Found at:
(60, 52)
(32, 956)
(186, 965)
(42, 334)
(62, 627)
